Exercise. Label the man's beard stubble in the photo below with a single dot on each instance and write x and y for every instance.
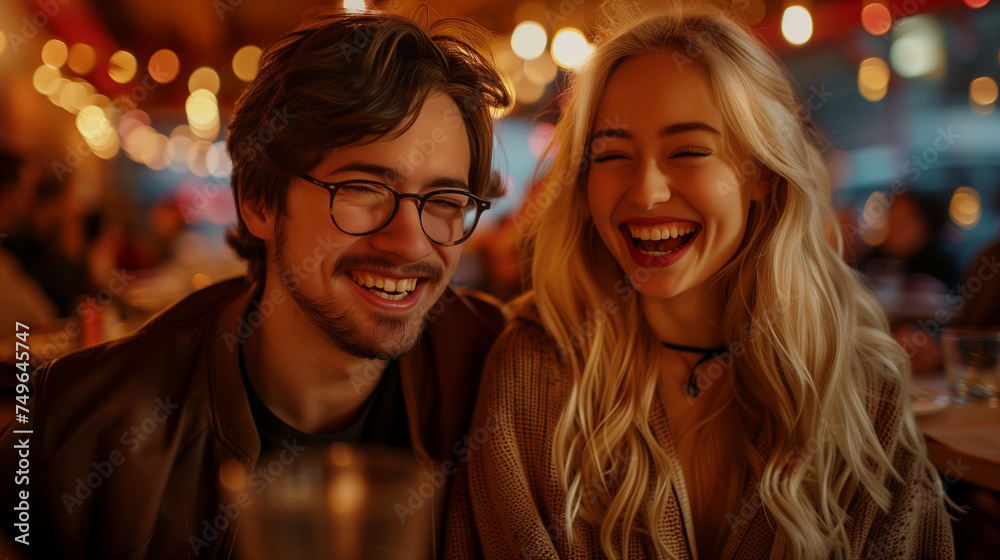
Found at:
(386, 337)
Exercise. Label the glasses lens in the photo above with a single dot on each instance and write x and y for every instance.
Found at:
(448, 217)
(360, 208)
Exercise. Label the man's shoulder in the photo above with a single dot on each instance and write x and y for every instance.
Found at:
(475, 307)
(466, 316)
(174, 336)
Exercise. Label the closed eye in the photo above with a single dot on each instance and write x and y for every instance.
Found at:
(692, 152)
(607, 156)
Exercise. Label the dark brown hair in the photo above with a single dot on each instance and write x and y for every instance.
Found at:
(341, 77)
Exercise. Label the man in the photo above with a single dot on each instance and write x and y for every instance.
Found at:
(361, 160)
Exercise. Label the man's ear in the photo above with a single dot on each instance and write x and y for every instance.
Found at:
(259, 221)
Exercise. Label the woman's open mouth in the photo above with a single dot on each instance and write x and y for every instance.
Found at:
(661, 240)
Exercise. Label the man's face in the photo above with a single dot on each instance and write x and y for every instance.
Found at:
(369, 295)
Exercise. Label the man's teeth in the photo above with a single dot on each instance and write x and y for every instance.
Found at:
(662, 232)
(388, 288)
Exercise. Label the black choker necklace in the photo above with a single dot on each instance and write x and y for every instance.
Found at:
(691, 387)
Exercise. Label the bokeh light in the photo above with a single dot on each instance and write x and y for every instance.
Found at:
(983, 90)
(72, 97)
(46, 80)
(355, 5)
(918, 49)
(875, 219)
(876, 19)
(196, 158)
(204, 77)
(975, 4)
(873, 78)
(81, 59)
(528, 40)
(54, 53)
(156, 152)
(245, 62)
(202, 109)
(796, 25)
(122, 66)
(965, 208)
(570, 48)
(164, 66)
(96, 130)
(217, 160)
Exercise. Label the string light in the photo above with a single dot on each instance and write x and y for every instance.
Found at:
(797, 25)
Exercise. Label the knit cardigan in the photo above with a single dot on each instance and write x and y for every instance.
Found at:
(506, 501)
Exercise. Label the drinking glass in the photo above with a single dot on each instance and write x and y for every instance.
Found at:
(336, 503)
(972, 365)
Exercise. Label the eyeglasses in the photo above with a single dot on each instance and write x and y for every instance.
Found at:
(361, 207)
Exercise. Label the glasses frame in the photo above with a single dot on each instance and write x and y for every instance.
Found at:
(481, 205)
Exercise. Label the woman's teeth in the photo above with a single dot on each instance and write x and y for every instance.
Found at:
(661, 232)
(658, 241)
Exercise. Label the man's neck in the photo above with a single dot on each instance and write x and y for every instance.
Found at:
(304, 379)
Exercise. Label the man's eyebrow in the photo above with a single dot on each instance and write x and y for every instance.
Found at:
(387, 173)
(391, 175)
(677, 128)
(447, 183)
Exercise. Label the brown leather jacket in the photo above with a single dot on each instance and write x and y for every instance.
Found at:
(128, 436)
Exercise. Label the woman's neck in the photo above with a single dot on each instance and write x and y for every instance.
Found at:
(693, 318)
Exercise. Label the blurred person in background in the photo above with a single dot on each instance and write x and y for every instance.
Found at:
(361, 161)
(696, 373)
(52, 247)
(22, 298)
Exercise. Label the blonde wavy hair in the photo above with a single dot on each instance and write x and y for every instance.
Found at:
(819, 341)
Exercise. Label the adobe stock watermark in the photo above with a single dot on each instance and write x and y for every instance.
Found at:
(132, 439)
(30, 26)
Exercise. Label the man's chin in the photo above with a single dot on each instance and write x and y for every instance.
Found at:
(384, 339)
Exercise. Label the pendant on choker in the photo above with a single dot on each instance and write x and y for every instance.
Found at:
(691, 387)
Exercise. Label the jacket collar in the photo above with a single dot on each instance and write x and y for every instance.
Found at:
(231, 415)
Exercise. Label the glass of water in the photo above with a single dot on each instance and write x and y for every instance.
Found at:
(972, 365)
(337, 503)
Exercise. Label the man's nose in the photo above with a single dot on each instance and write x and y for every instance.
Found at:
(404, 237)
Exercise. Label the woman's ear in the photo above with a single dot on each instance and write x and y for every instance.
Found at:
(763, 184)
(259, 221)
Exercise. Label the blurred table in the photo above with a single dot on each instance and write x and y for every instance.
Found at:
(963, 442)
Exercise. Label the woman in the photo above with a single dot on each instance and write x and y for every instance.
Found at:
(695, 372)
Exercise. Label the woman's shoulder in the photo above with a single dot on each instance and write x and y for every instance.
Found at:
(525, 362)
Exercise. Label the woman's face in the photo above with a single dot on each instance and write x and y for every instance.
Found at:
(668, 186)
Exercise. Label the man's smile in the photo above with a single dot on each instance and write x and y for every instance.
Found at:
(393, 289)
